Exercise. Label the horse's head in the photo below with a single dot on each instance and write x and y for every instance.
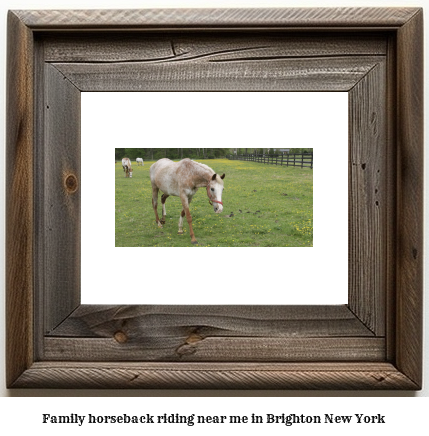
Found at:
(130, 172)
(214, 192)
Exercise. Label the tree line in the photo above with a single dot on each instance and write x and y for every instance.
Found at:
(196, 153)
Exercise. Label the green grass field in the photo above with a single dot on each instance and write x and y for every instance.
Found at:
(264, 206)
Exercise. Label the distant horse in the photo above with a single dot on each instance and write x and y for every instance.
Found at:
(182, 179)
(126, 165)
(139, 160)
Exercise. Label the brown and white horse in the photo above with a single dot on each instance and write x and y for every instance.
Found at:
(126, 165)
(182, 179)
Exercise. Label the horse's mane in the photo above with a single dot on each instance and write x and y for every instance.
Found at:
(204, 166)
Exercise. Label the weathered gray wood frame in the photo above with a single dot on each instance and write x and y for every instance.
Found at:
(374, 342)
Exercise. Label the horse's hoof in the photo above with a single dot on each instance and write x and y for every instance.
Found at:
(194, 242)
(162, 221)
(180, 233)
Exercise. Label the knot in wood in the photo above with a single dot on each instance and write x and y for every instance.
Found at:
(193, 338)
(71, 184)
(120, 337)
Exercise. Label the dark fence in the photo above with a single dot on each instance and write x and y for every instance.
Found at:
(290, 160)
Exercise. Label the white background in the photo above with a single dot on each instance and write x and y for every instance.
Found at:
(406, 414)
(243, 275)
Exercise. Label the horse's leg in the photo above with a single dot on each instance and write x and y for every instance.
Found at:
(155, 190)
(182, 214)
(185, 204)
(163, 198)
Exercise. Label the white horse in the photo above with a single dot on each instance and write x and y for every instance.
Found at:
(139, 160)
(182, 179)
(126, 165)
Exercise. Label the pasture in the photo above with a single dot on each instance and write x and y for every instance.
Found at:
(264, 206)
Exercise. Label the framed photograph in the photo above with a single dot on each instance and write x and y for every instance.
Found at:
(57, 339)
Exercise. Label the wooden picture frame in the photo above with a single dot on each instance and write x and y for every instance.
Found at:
(373, 342)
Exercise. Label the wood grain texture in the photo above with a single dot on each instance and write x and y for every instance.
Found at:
(61, 187)
(333, 74)
(99, 321)
(19, 200)
(368, 202)
(391, 191)
(227, 46)
(189, 347)
(213, 333)
(248, 376)
(409, 283)
(289, 18)
(202, 62)
(216, 348)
